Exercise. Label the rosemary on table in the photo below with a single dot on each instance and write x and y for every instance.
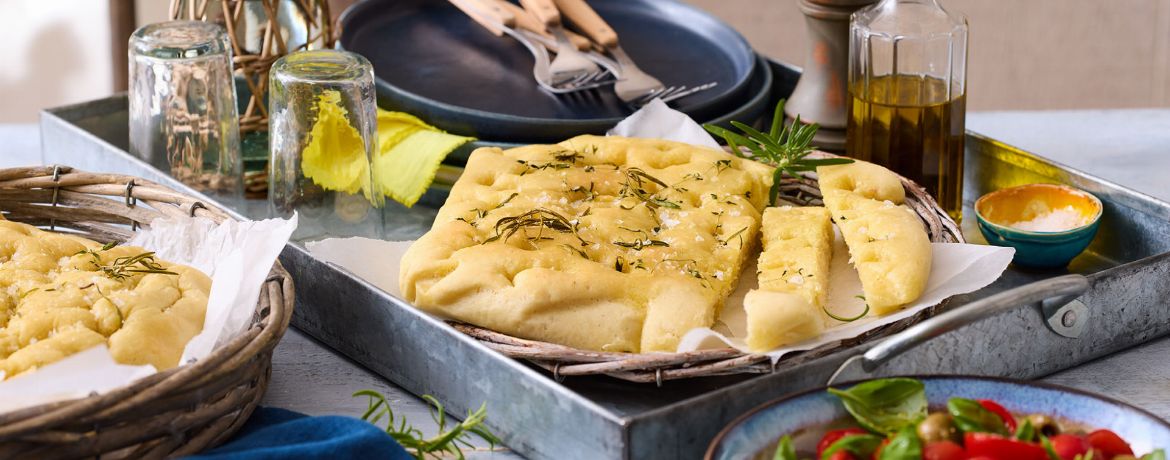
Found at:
(447, 442)
(124, 267)
(786, 148)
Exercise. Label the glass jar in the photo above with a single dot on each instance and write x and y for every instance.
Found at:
(322, 138)
(182, 104)
(907, 87)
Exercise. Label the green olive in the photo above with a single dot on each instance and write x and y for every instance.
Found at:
(938, 427)
(1044, 424)
(1124, 457)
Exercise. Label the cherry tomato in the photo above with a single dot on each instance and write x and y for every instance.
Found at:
(980, 458)
(1109, 443)
(1068, 446)
(1008, 420)
(842, 455)
(1001, 448)
(943, 450)
(831, 437)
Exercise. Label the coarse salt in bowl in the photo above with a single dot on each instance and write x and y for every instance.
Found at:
(1048, 224)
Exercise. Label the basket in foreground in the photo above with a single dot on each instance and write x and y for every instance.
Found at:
(177, 412)
(565, 361)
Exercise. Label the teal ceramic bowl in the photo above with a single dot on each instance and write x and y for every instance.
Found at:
(1047, 224)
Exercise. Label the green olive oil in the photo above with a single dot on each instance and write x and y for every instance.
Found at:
(912, 125)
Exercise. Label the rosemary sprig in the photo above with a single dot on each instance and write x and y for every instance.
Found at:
(540, 219)
(786, 148)
(446, 442)
(123, 267)
(638, 244)
(635, 186)
(845, 319)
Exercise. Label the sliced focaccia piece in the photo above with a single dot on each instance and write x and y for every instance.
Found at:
(888, 244)
(862, 178)
(890, 249)
(794, 277)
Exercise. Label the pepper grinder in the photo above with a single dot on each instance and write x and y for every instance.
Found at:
(822, 93)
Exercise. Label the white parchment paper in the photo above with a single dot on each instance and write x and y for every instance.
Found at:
(236, 255)
(955, 268)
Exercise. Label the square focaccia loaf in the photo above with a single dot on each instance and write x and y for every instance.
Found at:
(602, 243)
(887, 241)
(794, 277)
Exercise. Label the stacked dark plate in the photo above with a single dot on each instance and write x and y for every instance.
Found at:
(432, 61)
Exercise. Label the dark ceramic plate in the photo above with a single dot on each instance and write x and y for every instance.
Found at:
(432, 61)
(758, 431)
(756, 107)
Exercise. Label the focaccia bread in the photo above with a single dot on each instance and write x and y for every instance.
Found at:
(602, 243)
(887, 241)
(61, 294)
(794, 277)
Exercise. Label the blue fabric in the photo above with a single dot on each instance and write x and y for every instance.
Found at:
(273, 433)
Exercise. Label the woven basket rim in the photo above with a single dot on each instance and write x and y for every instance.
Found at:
(244, 358)
(564, 361)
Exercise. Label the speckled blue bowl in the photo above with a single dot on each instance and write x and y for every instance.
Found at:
(754, 434)
(995, 210)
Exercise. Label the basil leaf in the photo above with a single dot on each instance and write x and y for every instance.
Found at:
(1048, 448)
(1025, 432)
(785, 451)
(860, 445)
(885, 405)
(972, 417)
(904, 446)
(1155, 455)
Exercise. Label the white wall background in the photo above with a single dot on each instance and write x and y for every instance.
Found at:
(53, 52)
(1025, 54)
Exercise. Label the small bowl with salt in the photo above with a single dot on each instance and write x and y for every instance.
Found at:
(1047, 224)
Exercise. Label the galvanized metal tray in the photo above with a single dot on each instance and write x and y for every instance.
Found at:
(598, 417)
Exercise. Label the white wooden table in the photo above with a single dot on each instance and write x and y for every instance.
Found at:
(1129, 147)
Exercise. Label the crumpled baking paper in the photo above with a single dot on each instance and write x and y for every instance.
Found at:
(236, 255)
(955, 268)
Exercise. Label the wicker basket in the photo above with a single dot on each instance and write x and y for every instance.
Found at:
(565, 361)
(172, 413)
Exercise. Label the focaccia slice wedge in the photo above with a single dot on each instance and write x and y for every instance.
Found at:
(602, 243)
(794, 277)
(887, 241)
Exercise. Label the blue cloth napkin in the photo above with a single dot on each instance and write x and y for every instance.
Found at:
(273, 433)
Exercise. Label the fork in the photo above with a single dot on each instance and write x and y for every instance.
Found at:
(670, 93)
(633, 85)
(500, 21)
(569, 63)
(536, 31)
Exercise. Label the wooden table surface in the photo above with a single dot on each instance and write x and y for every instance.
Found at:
(1129, 147)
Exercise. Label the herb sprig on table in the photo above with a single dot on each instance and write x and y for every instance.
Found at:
(785, 147)
(447, 442)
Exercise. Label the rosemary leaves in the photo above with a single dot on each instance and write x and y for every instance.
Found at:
(448, 442)
(124, 267)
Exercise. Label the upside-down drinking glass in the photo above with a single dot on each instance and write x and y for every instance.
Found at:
(322, 137)
(183, 114)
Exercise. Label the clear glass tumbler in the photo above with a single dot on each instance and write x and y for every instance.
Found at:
(322, 138)
(183, 113)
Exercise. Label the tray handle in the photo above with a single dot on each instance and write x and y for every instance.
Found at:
(1061, 287)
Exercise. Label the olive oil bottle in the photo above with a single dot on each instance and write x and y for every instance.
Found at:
(907, 124)
(907, 94)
